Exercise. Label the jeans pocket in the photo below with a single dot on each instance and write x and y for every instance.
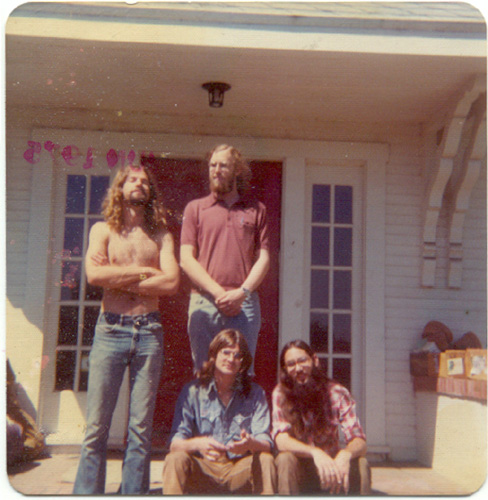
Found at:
(155, 328)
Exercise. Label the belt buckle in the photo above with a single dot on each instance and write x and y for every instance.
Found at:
(140, 321)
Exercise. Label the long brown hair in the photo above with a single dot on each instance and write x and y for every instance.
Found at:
(228, 338)
(298, 404)
(242, 169)
(155, 213)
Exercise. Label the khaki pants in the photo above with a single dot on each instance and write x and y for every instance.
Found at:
(299, 475)
(184, 473)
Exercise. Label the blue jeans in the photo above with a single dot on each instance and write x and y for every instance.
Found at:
(121, 341)
(205, 321)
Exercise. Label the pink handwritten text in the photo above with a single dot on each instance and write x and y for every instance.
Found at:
(72, 155)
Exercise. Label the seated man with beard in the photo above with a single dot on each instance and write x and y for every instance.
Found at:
(308, 410)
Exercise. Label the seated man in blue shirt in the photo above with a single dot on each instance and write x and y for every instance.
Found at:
(220, 439)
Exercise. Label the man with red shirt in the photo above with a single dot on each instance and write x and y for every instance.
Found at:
(308, 411)
(225, 253)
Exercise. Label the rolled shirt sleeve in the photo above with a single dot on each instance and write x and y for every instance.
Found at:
(260, 423)
(183, 426)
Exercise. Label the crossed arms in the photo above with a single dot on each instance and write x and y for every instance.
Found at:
(135, 279)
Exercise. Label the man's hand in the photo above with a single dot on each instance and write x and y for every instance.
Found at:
(99, 259)
(210, 448)
(230, 302)
(328, 471)
(343, 462)
(243, 445)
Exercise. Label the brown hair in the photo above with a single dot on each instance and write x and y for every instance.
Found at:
(297, 404)
(242, 169)
(228, 338)
(155, 214)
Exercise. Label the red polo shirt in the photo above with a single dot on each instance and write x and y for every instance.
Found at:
(227, 239)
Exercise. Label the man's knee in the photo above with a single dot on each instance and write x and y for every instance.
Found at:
(268, 467)
(360, 477)
(176, 460)
(265, 483)
(285, 461)
(266, 459)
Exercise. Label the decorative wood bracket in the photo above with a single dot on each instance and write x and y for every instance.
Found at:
(448, 153)
(461, 192)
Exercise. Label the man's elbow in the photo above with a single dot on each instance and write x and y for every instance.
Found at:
(364, 448)
(173, 285)
(184, 263)
(92, 278)
(187, 257)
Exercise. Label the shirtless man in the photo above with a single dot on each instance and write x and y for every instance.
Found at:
(130, 255)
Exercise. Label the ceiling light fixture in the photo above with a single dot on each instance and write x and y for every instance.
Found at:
(216, 92)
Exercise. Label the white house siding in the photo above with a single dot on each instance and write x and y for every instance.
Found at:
(408, 307)
(18, 196)
(25, 339)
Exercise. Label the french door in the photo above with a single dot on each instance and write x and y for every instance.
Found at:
(333, 249)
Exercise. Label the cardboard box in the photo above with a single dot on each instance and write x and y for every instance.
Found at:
(476, 364)
(452, 364)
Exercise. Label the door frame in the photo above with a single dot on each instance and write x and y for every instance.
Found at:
(294, 155)
(294, 291)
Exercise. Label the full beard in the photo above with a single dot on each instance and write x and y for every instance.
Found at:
(221, 187)
(137, 202)
(308, 396)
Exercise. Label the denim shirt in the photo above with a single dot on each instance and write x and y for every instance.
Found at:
(199, 412)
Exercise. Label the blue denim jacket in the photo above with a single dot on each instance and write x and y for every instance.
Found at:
(199, 412)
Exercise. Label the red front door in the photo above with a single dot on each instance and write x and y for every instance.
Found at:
(181, 181)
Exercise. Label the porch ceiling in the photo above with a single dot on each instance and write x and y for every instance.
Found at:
(276, 84)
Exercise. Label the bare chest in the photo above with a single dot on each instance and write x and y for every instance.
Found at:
(134, 248)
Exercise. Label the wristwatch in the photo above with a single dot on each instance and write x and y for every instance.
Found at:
(247, 292)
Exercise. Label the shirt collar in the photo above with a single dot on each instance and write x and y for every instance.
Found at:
(211, 389)
(212, 199)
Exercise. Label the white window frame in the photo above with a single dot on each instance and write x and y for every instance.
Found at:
(336, 175)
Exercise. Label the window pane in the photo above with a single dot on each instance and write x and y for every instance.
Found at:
(75, 194)
(341, 372)
(341, 324)
(319, 289)
(319, 332)
(320, 246)
(323, 364)
(342, 289)
(90, 316)
(99, 185)
(343, 246)
(70, 284)
(73, 236)
(83, 385)
(343, 204)
(68, 325)
(321, 203)
(65, 370)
